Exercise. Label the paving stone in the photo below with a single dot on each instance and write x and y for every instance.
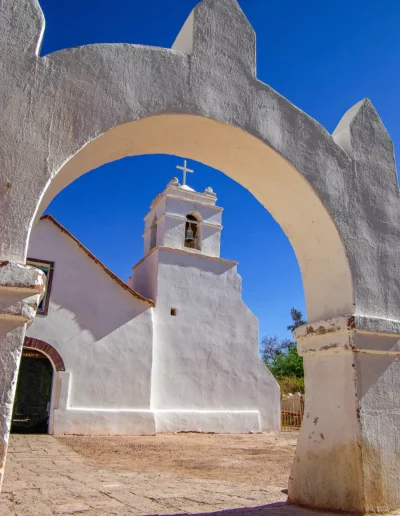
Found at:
(32, 509)
(44, 477)
(104, 502)
(70, 508)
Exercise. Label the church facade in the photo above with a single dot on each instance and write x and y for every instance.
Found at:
(173, 349)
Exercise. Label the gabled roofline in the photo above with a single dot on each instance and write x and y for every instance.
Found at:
(98, 262)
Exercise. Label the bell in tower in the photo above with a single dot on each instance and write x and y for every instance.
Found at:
(189, 238)
(191, 231)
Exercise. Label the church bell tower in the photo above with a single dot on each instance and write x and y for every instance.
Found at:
(181, 223)
(204, 338)
(181, 218)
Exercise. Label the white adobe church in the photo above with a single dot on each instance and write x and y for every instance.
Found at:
(175, 349)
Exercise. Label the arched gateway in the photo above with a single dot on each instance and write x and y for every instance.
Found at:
(336, 197)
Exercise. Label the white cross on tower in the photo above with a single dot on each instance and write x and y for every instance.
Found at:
(185, 170)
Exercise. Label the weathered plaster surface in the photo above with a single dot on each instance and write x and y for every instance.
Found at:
(336, 197)
(350, 425)
(216, 83)
(21, 289)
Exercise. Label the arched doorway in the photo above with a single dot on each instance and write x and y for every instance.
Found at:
(33, 395)
(33, 398)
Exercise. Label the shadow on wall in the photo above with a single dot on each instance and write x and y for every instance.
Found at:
(83, 295)
(102, 323)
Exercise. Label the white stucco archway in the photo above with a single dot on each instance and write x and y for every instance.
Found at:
(335, 196)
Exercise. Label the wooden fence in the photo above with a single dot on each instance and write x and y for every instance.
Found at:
(292, 412)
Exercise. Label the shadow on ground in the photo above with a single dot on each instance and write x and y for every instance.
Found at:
(278, 509)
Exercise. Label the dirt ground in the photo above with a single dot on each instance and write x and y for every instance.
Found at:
(257, 459)
(202, 475)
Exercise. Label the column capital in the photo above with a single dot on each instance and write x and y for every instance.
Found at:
(339, 334)
(21, 289)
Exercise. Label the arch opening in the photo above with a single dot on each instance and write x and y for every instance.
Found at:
(273, 181)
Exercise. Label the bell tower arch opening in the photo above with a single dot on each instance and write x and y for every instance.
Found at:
(192, 233)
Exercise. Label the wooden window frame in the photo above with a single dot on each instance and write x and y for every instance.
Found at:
(34, 262)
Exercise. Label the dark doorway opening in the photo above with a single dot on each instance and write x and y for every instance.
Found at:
(33, 395)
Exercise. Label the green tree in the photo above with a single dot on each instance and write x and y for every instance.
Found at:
(282, 359)
(288, 364)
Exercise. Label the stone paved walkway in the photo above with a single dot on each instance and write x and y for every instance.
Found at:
(45, 477)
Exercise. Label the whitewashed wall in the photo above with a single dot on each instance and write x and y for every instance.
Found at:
(207, 375)
(104, 336)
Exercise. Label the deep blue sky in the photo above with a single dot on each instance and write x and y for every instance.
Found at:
(324, 56)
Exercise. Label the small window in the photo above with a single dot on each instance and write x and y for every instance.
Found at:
(192, 240)
(173, 312)
(48, 269)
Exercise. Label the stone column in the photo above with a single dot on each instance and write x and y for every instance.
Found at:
(21, 288)
(348, 452)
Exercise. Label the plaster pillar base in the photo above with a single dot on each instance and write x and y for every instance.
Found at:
(348, 452)
(21, 288)
(11, 343)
